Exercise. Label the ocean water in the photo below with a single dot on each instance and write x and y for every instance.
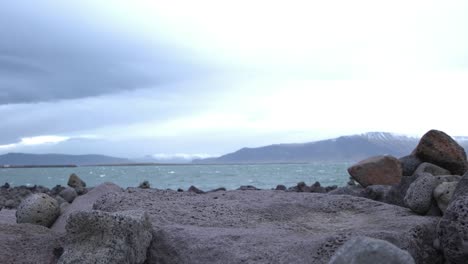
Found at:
(205, 177)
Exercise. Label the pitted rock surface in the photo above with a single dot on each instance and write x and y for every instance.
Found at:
(269, 226)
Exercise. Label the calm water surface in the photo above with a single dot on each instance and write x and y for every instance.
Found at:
(205, 177)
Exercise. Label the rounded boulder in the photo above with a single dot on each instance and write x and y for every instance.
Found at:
(440, 149)
(365, 250)
(39, 209)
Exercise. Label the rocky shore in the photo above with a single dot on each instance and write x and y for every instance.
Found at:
(412, 209)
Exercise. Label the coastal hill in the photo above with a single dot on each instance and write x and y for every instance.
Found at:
(23, 159)
(345, 148)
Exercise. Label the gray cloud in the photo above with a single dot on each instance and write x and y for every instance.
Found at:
(50, 50)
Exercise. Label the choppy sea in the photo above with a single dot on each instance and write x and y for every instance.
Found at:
(205, 177)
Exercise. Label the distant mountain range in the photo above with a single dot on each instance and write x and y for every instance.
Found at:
(345, 148)
(23, 159)
(341, 149)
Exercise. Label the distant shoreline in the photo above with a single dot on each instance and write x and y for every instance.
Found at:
(142, 164)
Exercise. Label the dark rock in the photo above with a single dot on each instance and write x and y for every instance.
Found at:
(27, 244)
(69, 194)
(84, 203)
(443, 194)
(75, 182)
(317, 188)
(331, 188)
(357, 191)
(6, 185)
(180, 190)
(453, 231)
(409, 164)
(365, 250)
(144, 185)
(248, 188)
(56, 190)
(378, 170)
(39, 209)
(397, 192)
(221, 189)
(302, 187)
(100, 237)
(419, 195)
(433, 169)
(269, 226)
(439, 148)
(280, 187)
(377, 192)
(195, 190)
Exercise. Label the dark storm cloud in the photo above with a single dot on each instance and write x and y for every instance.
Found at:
(51, 50)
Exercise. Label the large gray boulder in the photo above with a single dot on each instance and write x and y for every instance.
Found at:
(443, 194)
(453, 231)
(28, 244)
(419, 194)
(427, 167)
(39, 209)
(84, 203)
(365, 250)
(439, 148)
(269, 226)
(378, 170)
(100, 237)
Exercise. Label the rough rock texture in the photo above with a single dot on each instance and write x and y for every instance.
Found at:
(84, 203)
(409, 164)
(7, 216)
(462, 187)
(195, 190)
(75, 182)
(100, 237)
(365, 250)
(39, 209)
(453, 231)
(378, 170)
(27, 243)
(419, 195)
(439, 148)
(269, 226)
(433, 169)
(68, 194)
(443, 194)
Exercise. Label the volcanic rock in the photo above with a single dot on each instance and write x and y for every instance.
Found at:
(269, 226)
(100, 237)
(419, 194)
(39, 209)
(439, 148)
(378, 170)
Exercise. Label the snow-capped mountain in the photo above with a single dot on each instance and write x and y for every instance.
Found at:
(345, 148)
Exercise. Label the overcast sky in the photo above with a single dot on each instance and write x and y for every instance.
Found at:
(207, 77)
